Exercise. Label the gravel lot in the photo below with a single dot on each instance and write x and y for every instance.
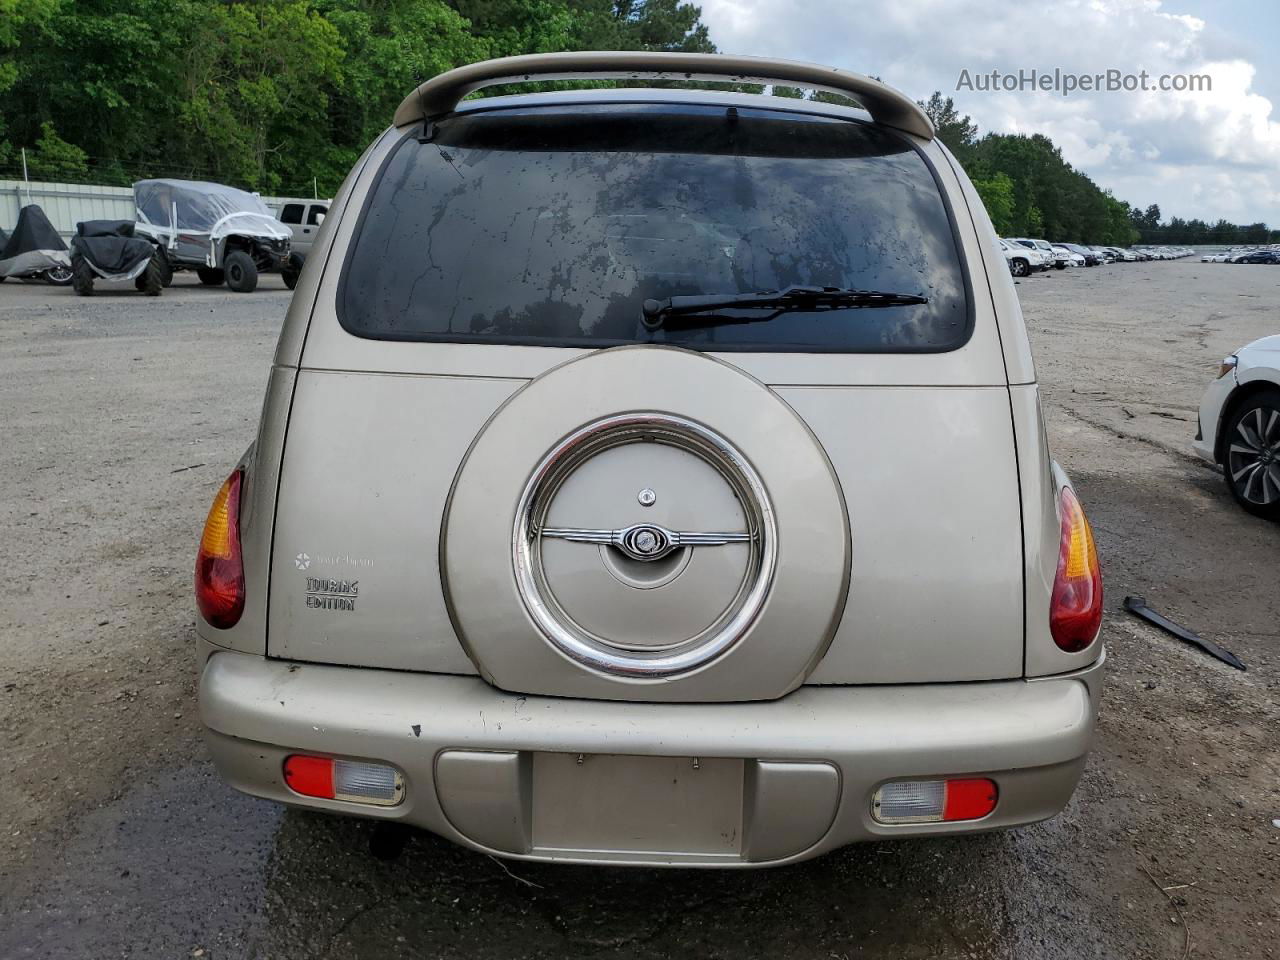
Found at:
(122, 415)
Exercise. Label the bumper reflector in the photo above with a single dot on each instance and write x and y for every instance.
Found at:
(354, 781)
(934, 801)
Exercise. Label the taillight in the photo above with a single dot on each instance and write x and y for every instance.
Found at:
(1075, 611)
(219, 565)
(355, 781)
(934, 801)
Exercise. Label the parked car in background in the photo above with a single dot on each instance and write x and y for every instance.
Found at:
(1047, 257)
(1259, 256)
(1090, 257)
(1021, 260)
(608, 577)
(1073, 258)
(1059, 260)
(224, 234)
(303, 218)
(1239, 426)
(1037, 257)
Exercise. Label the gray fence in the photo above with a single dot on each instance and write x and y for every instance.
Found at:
(66, 204)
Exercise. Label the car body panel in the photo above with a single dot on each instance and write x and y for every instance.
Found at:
(360, 450)
(944, 493)
(258, 497)
(345, 475)
(466, 749)
(922, 567)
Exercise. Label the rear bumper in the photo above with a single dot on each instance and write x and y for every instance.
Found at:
(479, 764)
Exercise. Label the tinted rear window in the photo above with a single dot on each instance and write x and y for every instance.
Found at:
(542, 226)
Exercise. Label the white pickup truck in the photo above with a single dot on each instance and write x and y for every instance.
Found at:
(303, 218)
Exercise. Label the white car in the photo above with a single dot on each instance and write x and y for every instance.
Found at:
(1044, 254)
(1073, 259)
(1052, 259)
(1239, 426)
(1021, 260)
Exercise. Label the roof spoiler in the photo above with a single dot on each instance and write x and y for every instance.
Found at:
(441, 94)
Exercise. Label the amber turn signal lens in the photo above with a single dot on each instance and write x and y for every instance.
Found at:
(1075, 611)
(219, 565)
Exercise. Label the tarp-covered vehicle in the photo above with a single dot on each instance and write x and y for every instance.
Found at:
(35, 250)
(109, 249)
(224, 234)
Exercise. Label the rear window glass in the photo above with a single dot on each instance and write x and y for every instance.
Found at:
(552, 227)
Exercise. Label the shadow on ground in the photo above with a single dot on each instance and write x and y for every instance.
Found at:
(181, 863)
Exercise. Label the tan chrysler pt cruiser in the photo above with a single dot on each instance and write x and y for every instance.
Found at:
(653, 476)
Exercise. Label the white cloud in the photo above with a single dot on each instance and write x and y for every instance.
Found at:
(1198, 154)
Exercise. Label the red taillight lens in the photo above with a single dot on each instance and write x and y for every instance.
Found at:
(969, 799)
(309, 776)
(934, 801)
(353, 781)
(1075, 611)
(219, 566)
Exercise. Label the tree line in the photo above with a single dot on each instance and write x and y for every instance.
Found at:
(1031, 191)
(282, 96)
(278, 96)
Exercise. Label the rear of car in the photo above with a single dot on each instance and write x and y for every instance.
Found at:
(653, 477)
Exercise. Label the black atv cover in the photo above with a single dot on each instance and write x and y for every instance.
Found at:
(111, 248)
(33, 247)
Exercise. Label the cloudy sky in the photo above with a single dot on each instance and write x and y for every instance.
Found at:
(1203, 154)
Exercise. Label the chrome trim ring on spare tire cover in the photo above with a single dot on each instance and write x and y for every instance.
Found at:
(647, 609)
(644, 542)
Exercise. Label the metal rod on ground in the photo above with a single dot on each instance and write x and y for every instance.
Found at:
(1138, 607)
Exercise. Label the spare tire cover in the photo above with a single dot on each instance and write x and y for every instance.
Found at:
(646, 523)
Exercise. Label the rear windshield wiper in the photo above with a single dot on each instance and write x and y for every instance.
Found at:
(706, 310)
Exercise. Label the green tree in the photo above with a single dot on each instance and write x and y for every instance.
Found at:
(997, 195)
(957, 131)
(389, 47)
(54, 158)
(19, 19)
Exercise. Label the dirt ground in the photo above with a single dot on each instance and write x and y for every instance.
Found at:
(122, 415)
